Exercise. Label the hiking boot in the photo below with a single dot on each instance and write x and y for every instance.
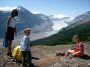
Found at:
(60, 54)
(24, 65)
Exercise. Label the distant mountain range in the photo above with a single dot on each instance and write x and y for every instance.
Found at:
(80, 25)
(42, 26)
(37, 22)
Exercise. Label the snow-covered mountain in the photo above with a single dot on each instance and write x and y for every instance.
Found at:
(64, 19)
(80, 19)
(85, 16)
(60, 21)
(40, 24)
(80, 25)
(37, 22)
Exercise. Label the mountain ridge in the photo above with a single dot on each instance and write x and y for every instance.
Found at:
(80, 27)
(26, 18)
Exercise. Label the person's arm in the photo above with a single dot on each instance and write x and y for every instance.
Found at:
(9, 20)
(15, 31)
(30, 45)
(73, 47)
(27, 42)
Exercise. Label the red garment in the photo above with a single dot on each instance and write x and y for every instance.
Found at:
(80, 46)
(79, 49)
(74, 52)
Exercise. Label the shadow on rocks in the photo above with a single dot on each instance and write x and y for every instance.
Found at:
(33, 65)
(86, 57)
(35, 58)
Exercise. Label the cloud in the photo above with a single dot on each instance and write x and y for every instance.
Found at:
(35, 12)
(7, 8)
(59, 25)
(43, 27)
(72, 18)
(59, 16)
(52, 9)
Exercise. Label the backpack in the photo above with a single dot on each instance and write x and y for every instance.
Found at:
(17, 54)
(5, 43)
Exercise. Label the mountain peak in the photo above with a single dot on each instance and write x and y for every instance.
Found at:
(88, 12)
(83, 16)
(7, 8)
(20, 8)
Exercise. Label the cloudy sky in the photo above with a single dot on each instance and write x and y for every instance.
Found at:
(70, 8)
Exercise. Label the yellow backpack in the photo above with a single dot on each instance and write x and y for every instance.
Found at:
(17, 53)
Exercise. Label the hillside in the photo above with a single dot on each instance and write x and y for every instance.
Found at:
(80, 25)
(65, 35)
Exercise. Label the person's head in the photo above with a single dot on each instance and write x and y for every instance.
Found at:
(14, 13)
(27, 31)
(76, 39)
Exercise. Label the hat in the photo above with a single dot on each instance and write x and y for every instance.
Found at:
(27, 29)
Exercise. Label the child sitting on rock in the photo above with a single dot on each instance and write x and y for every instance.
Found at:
(78, 47)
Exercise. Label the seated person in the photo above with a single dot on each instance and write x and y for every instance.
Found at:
(78, 47)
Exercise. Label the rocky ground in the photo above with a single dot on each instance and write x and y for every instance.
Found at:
(45, 56)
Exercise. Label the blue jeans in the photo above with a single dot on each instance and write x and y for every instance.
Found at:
(27, 58)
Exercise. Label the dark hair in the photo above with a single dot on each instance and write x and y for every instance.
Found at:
(14, 12)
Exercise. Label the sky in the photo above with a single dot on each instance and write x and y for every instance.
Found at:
(71, 8)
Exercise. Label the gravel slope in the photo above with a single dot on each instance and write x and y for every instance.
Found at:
(47, 57)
